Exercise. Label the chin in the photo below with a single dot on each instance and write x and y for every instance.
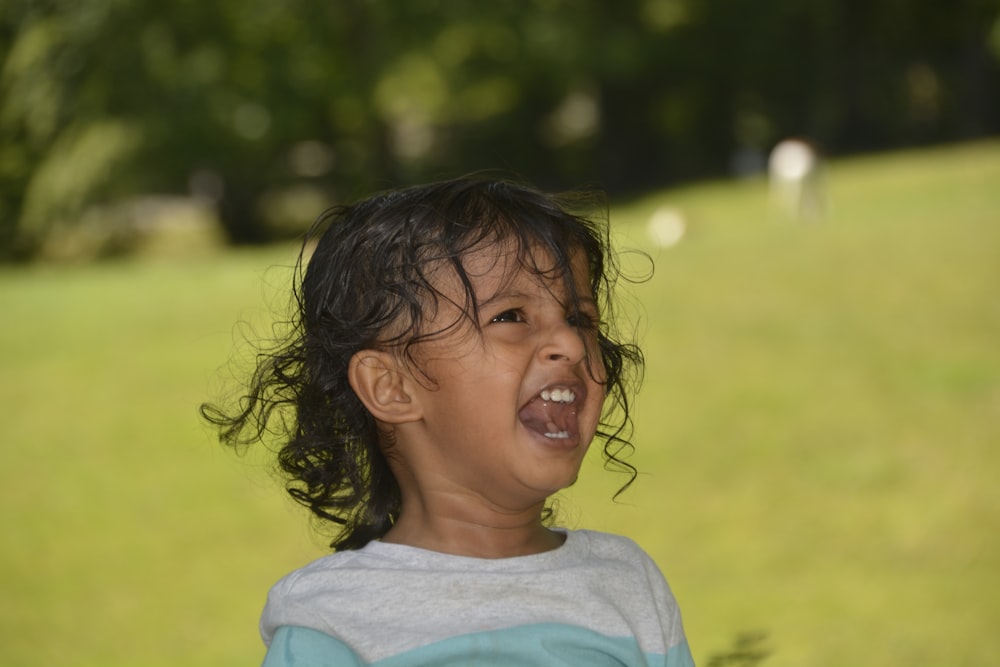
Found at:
(555, 484)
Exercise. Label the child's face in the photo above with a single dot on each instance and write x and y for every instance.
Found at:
(511, 409)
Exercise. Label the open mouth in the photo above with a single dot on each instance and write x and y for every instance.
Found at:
(552, 413)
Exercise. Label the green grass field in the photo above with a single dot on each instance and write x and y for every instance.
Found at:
(818, 435)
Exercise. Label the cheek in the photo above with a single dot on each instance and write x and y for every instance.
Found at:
(596, 363)
(599, 403)
(600, 387)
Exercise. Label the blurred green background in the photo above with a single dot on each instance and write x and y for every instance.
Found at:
(123, 118)
(818, 430)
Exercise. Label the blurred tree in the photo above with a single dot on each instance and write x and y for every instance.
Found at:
(264, 108)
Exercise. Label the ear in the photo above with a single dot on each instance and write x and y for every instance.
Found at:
(383, 386)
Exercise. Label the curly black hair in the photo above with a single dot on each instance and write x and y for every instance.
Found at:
(362, 282)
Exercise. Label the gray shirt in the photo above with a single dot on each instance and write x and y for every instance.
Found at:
(598, 593)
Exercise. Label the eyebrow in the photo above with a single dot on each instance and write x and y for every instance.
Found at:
(503, 294)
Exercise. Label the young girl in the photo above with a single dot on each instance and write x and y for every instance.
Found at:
(449, 365)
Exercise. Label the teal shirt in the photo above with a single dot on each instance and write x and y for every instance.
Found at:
(526, 646)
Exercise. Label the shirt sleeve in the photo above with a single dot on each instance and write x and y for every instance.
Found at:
(678, 652)
(679, 655)
(294, 646)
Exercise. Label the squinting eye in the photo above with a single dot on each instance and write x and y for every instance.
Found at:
(508, 316)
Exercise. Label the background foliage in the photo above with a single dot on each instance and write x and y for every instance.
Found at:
(265, 110)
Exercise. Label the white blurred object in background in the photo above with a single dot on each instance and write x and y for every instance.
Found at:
(666, 227)
(795, 175)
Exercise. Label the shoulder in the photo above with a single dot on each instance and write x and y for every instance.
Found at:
(610, 546)
(318, 570)
(292, 600)
(610, 543)
(636, 586)
(623, 555)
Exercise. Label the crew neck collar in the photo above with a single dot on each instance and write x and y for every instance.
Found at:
(417, 556)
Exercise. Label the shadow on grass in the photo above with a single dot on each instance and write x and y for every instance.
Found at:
(747, 650)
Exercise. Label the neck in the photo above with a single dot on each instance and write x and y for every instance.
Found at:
(464, 527)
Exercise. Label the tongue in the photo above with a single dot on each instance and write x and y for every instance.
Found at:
(547, 417)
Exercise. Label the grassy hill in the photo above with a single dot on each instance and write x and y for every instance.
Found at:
(818, 434)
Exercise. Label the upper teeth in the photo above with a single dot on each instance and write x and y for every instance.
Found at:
(558, 395)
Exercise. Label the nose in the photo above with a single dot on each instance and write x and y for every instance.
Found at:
(563, 343)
